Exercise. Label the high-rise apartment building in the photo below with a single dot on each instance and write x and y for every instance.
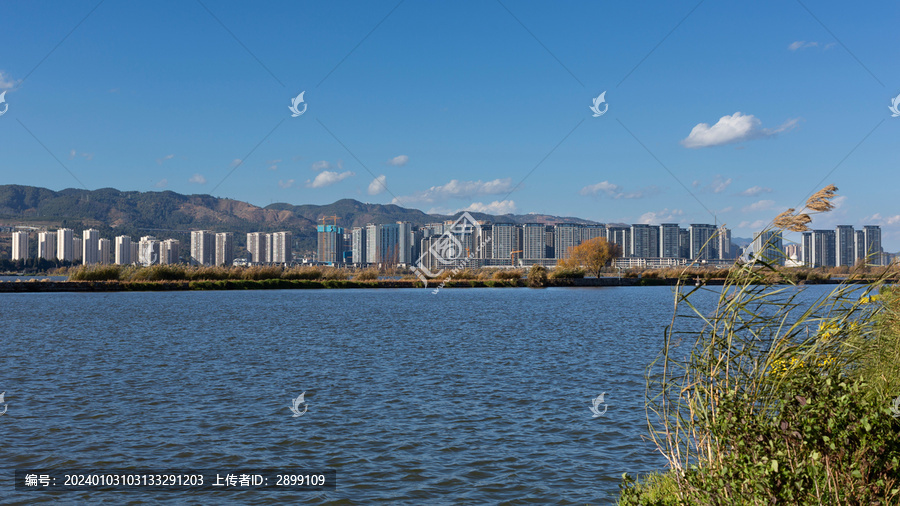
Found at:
(76, 247)
(123, 250)
(644, 241)
(566, 236)
(620, 236)
(404, 243)
(723, 243)
(90, 252)
(859, 240)
(371, 244)
(872, 237)
(148, 251)
(505, 241)
(270, 248)
(703, 247)
(358, 245)
(47, 245)
(669, 243)
(103, 251)
(256, 246)
(203, 247)
(19, 245)
(818, 248)
(224, 248)
(845, 245)
(768, 247)
(65, 246)
(170, 251)
(330, 243)
(282, 248)
(534, 242)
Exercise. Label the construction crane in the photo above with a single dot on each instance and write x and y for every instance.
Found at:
(512, 257)
(323, 218)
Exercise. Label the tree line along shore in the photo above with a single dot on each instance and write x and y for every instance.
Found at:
(183, 277)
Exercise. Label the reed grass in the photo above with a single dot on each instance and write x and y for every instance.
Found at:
(766, 398)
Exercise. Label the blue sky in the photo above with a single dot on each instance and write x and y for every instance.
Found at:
(465, 105)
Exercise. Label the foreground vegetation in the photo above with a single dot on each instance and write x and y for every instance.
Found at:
(767, 398)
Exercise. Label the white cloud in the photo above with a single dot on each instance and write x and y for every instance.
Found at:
(286, 184)
(664, 216)
(273, 164)
(320, 165)
(86, 156)
(398, 161)
(6, 82)
(755, 190)
(878, 219)
(327, 178)
(495, 207)
(160, 161)
(753, 225)
(459, 189)
(614, 191)
(162, 183)
(760, 205)
(839, 201)
(236, 162)
(378, 186)
(731, 129)
(802, 44)
(197, 178)
(719, 184)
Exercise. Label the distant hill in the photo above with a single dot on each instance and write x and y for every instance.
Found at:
(169, 214)
(743, 242)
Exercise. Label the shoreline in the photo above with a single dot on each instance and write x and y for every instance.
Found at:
(31, 286)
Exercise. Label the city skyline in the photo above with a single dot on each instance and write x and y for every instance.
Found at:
(401, 243)
(707, 121)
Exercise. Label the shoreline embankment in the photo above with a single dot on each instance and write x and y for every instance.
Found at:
(283, 284)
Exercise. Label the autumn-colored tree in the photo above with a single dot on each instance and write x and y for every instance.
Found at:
(592, 255)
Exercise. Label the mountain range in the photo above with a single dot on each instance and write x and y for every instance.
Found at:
(168, 214)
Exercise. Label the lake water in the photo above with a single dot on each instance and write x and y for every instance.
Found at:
(470, 396)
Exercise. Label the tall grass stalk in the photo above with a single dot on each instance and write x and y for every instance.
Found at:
(744, 352)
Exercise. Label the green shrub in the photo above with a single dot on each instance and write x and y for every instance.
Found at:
(366, 275)
(537, 276)
(334, 274)
(96, 272)
(260, 272)
(160, 273)
(777, 401)
(566, 273)
(508, 274)
(302, 273)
